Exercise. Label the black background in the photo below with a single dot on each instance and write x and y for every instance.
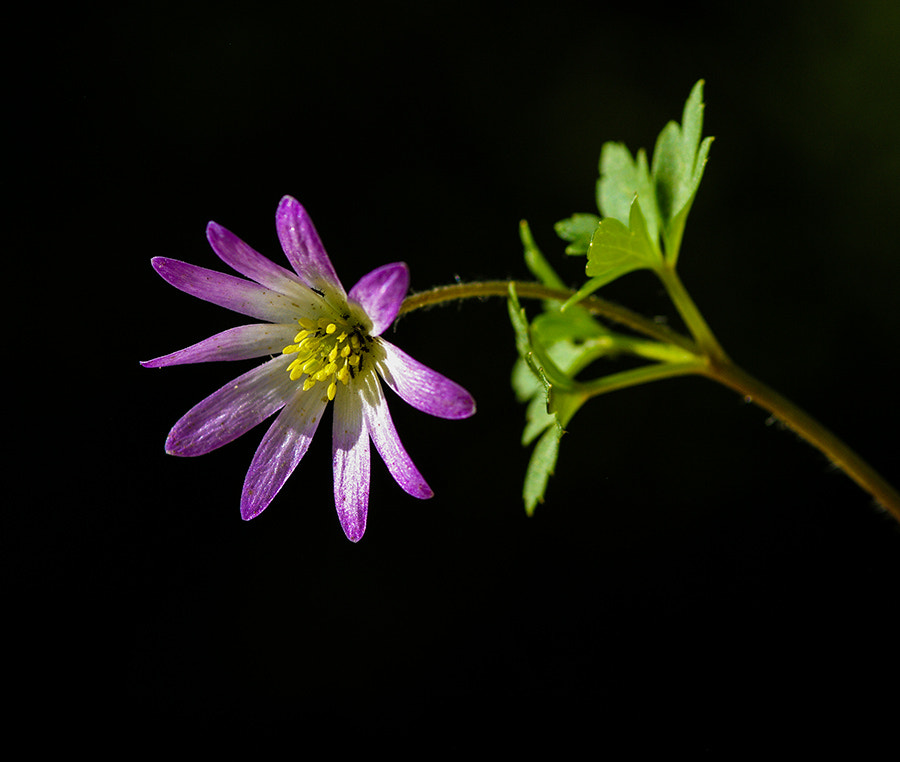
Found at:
(692, 563)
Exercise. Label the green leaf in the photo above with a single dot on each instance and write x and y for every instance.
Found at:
(525, 383)
(675, 229)
(554, 396)
(621, 179)
(536, 261)
(537, 359)
(678, 162)
(540, 467)
(578, 229)
(574, 324)
(537, 418)
(617, 248)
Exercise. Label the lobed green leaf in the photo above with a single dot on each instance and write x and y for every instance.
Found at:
(621, 179)
(679, 158)
(541, 466)
(617, 248)
(578, 229)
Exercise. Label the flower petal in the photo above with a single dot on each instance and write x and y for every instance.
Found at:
(232, 410)
(240, 343)
(281, 449)
(380, 294)
(304, 249)
(227, 291)
(420, 386)
(350, 453)
(381, 428)
(250, 263)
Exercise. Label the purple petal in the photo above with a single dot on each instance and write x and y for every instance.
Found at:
(304, 249)
(350, 452)
(232, 410)
(249, 262)
(380, 294)
(227, 291)
(241, 343)
(420, 386)
(281, 449)
(381, 428)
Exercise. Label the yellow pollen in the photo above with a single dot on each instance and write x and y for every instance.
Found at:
(328, 350)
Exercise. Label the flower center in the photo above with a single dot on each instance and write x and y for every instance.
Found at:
(327, 350)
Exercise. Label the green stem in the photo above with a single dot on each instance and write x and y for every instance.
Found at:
(530, 290)
(690, 314)
(838, 452)
(711, 362)
(642, 375)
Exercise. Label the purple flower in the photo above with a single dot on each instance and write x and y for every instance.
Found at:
(329, 347)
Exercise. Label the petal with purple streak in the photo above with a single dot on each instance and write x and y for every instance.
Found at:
(232, 410)
(227, 291)
(241, 343)
(304, 249)
(420, 386)
(381, 428)
(380, 294)
(281, 449)
(249, 262)
(350, 454)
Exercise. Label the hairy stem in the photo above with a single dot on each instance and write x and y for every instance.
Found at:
(730, 375)
(531, 290)
(712, 363)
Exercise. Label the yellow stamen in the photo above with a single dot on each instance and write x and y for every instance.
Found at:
(310, 343)
(327, 350)
(310, 366)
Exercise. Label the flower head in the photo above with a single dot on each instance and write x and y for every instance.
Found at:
(329, 347)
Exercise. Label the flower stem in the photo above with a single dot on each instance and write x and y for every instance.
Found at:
(836, 450)
(531, 290)
(712, 362)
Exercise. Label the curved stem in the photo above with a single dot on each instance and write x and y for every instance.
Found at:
(712, 363)
(531, 290)
(730, 375)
